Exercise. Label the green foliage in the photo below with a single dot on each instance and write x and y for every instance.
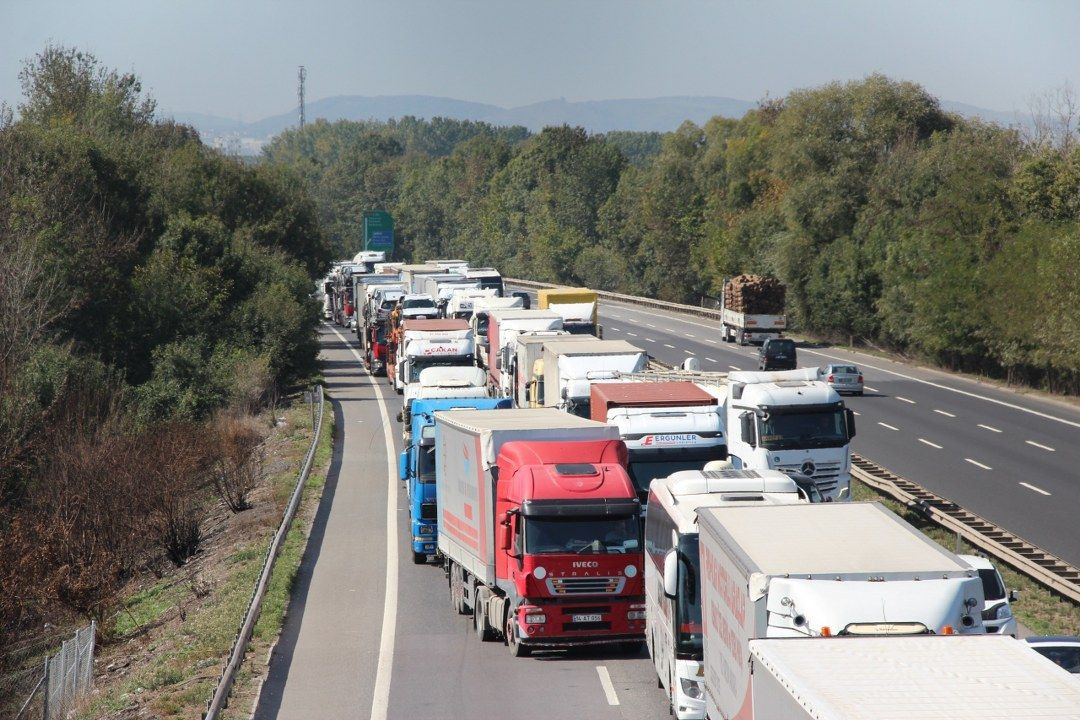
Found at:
(890, 220)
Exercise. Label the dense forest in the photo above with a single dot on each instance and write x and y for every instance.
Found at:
(153, 293)
(893, 222)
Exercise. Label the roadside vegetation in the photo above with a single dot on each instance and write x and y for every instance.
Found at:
(894, 223)
(154, 300)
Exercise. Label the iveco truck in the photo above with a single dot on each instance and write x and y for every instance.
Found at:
(538, 524)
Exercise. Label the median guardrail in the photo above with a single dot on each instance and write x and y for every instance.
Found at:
(220, 699)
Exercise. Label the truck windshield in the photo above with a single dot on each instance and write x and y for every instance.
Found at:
(425, 464)
(818, 428)
(423, 364)
(688, 605)
(482, 321)
(417, 303)
(581, 536)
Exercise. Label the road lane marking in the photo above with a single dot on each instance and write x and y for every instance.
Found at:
(710, 340)
(649, 325)
(904, 399)
(669, 346)
(1040, 445)
(689, 352)
(867, 387)
(976, 463)
(632, 334)
(712, 359)
(605, 682)
(380, 696)
(987, 427)
(1003, 403)
(887, 425)
(856, 412)
(1029, 486)
(946, 414)
(688, 335)
(927, 442)
(648, 340)
(733, 367)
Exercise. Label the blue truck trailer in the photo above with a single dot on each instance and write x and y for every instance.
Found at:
(416, 467)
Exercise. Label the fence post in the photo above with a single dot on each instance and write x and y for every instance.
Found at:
(46, 682)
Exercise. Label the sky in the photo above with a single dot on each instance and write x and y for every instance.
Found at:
(238, 58)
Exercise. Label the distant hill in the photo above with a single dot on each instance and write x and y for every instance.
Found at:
(646, 114)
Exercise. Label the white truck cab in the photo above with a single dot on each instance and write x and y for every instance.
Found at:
(418, 306)
(432, 348)
(672, 570)
(445, 381)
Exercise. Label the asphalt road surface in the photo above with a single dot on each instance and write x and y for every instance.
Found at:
(369, 634)
(1011, 458)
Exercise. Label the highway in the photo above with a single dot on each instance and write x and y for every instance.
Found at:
(1012, 458)
(369, 634)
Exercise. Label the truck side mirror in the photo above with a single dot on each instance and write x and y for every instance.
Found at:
(850, 423)
(403, 465)
(746, 426)
(506, 531)
(1014, 595)
(671, 573)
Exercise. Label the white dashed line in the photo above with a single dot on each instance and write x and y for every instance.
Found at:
(987, 427)
(712, 359)
(649, 325)
(927, 442)
(1039, 490)
(887, 425)
(856, 413)
(942, 412)
(632, 334)
(669, 346)
(976, 463)
(688, 335)
(904, 399)
(867, 387)
(648, 340)
(605, 682)
(1040, 445)
(714, 342)
(733, 367)
(689, 352)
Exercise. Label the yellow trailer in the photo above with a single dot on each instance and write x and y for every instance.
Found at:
(577, 306)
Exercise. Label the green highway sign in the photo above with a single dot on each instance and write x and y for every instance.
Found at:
(379, 231)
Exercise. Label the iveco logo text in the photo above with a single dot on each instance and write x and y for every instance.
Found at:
(586, 564)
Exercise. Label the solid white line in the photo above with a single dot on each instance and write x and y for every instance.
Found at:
(867, 387)
(887, 425)
(669, 346)
(987, 427)
(927, 442)
(605, 682)
(1040, 445)
(904, 399)
(380, 696)
(946, 414)
(1036, 489)
(632, 334)
(712, 359)
(976, 463)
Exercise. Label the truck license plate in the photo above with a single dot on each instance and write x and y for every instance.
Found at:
(585, 618)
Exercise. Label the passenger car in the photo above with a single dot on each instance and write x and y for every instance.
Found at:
(842, 378)
(1061, 649)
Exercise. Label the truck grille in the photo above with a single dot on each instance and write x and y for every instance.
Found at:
(586, 585)
(429, 511)
(824, 474)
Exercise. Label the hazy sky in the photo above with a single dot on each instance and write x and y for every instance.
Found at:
(238, 58)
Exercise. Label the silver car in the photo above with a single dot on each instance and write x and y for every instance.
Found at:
(842, 378)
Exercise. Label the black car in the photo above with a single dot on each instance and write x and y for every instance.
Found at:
(777, 354)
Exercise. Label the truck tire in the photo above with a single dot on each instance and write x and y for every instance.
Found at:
(419, 558)
(512, 642)
(457, 590)
(484, 631)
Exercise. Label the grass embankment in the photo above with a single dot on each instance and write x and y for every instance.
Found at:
(1039, 609)
(166, 647)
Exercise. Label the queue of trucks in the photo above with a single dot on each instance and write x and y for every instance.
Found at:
(575, 495)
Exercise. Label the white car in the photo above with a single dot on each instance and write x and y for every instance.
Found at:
(1062, 650)
(997, 612)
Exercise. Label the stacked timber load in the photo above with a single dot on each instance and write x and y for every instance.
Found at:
(754, 295)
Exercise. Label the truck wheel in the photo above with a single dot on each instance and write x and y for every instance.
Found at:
(457, 590)
(484, 631)
(419, 558)
(512, 642)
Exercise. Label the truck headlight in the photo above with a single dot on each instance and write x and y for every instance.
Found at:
(691, 688)
(1003, 612)
(535, 618)
(635, 615)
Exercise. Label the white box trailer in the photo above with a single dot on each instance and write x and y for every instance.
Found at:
(968, 677)
(570, 368)
(819, 570)
(467, 444)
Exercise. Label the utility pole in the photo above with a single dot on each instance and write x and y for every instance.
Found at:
(301, 75)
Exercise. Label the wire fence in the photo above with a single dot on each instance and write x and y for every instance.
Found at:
(66, 678)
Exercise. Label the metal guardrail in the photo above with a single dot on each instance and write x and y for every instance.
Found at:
(1031, 560)
(220, 699)
(630, 299)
